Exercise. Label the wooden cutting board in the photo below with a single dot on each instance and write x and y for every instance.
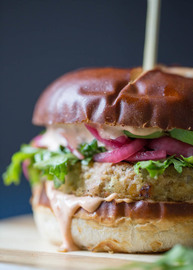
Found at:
(20, 244)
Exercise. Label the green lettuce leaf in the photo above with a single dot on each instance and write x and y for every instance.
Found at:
(13, 172)
(178, 164)
(34, 174)
(156, 168)
(42, 162)
(88, 150)
(178, 258)
(55, 167)
(188, 160)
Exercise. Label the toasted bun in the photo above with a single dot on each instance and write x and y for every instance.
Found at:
(162, 98)
(124, 234)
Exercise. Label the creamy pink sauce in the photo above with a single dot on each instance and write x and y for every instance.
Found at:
(76, 134)
(65, 206)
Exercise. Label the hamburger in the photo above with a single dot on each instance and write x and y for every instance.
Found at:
(113, 170)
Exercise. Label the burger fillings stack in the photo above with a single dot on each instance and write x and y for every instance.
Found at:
(114, 169)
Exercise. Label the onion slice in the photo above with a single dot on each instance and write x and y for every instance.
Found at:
(36, 142)
(148, 155)
(75, 152)
(112, 143)
(122, 153)
(171, 146)
(25, 165)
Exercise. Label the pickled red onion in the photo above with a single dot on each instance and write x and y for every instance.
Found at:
(147, 155)
(112, 143)
(171, 146)
(25, 165)
(75, 152)
(36, 142)
(121, 153)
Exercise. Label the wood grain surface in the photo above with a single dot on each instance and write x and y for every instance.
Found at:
(20, 244)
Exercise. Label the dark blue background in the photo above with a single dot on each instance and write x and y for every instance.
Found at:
(41, 40)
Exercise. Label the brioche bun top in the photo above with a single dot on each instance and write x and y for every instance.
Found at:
(162, 98)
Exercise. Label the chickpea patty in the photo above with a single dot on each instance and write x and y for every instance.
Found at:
(103, 179)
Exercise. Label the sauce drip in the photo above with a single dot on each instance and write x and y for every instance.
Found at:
(64, 207)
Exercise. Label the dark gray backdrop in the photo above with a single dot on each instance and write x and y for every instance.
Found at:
(41, 40)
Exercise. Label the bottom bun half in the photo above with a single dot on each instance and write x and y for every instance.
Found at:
(123, 235)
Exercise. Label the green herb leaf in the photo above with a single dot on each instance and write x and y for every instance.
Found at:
(178, 258)
(57, 182)
(188, 159)
(64, 149)
(182, 135)
(53, 165)
(178, 164)
(88, 150)
(156, 168)
(13, 172)
(34, 175)
(56, 166)
(150, 136)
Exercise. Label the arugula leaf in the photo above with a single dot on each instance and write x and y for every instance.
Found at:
(56, 166)
(28, 149)
(154, 135)
(182, 135)
(44, 163)
(88, 150)
(34, 175)
(178, 256)
(156, 168)
(178, 164)
(13, 172)
(53, 165)
(188, 159)
(64, 149)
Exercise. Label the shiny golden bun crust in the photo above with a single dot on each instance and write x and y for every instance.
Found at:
(129, 235)
(158, 98)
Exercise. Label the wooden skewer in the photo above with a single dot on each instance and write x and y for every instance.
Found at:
(151, 34)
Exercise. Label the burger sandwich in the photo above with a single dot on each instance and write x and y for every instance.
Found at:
(113, 170)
